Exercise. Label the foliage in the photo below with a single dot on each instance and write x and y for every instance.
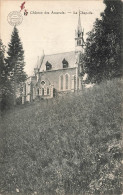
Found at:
(15, 62)
(19, 100)
(5, 87)
(102, 59)
(2, 52)
(67, 145)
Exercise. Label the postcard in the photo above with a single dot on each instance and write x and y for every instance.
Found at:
(60, 97)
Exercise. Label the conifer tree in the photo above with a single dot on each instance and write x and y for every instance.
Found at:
(2, 64)
(5, 87)
(102, 59)
(15, 62)
(2, 71)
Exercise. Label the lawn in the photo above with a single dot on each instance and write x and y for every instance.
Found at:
(69, 145)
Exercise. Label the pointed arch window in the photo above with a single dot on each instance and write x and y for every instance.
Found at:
(79, 42)
(48, 91)
(66, 81)
(42, 91)
(61, 82)
(38, 91)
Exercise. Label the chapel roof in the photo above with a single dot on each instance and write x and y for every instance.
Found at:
(56, 60)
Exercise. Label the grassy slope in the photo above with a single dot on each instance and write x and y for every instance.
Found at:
(68, 145)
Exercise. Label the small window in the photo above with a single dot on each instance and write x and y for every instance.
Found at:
(48, 66)
(65, 63)
(42, 82)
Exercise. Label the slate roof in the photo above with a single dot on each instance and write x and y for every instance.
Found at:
(56, 60)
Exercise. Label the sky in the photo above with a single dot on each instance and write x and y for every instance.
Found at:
(48, 31)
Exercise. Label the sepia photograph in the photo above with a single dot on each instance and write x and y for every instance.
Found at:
(61, 82)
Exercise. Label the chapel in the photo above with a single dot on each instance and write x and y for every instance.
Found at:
(56, 73)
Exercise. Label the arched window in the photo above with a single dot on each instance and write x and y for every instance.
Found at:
(48, 91)
(42, 91)
(79, 42)
(66, 81)
(38, 91)
(74, 82)
(61, 78)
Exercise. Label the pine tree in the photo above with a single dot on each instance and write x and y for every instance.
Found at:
(15, 62)
(5, 87)
(2, 70)
(2, 65)
(102, 59)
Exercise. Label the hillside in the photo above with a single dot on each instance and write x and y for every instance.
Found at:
(69, 145)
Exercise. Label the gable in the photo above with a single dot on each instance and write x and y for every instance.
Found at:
(56, 60)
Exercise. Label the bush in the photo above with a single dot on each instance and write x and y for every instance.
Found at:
(19, 100)
(6, 102)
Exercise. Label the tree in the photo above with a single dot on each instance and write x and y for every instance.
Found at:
(5, 87)
(2, 66)
(15, 63)
(102, 59)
